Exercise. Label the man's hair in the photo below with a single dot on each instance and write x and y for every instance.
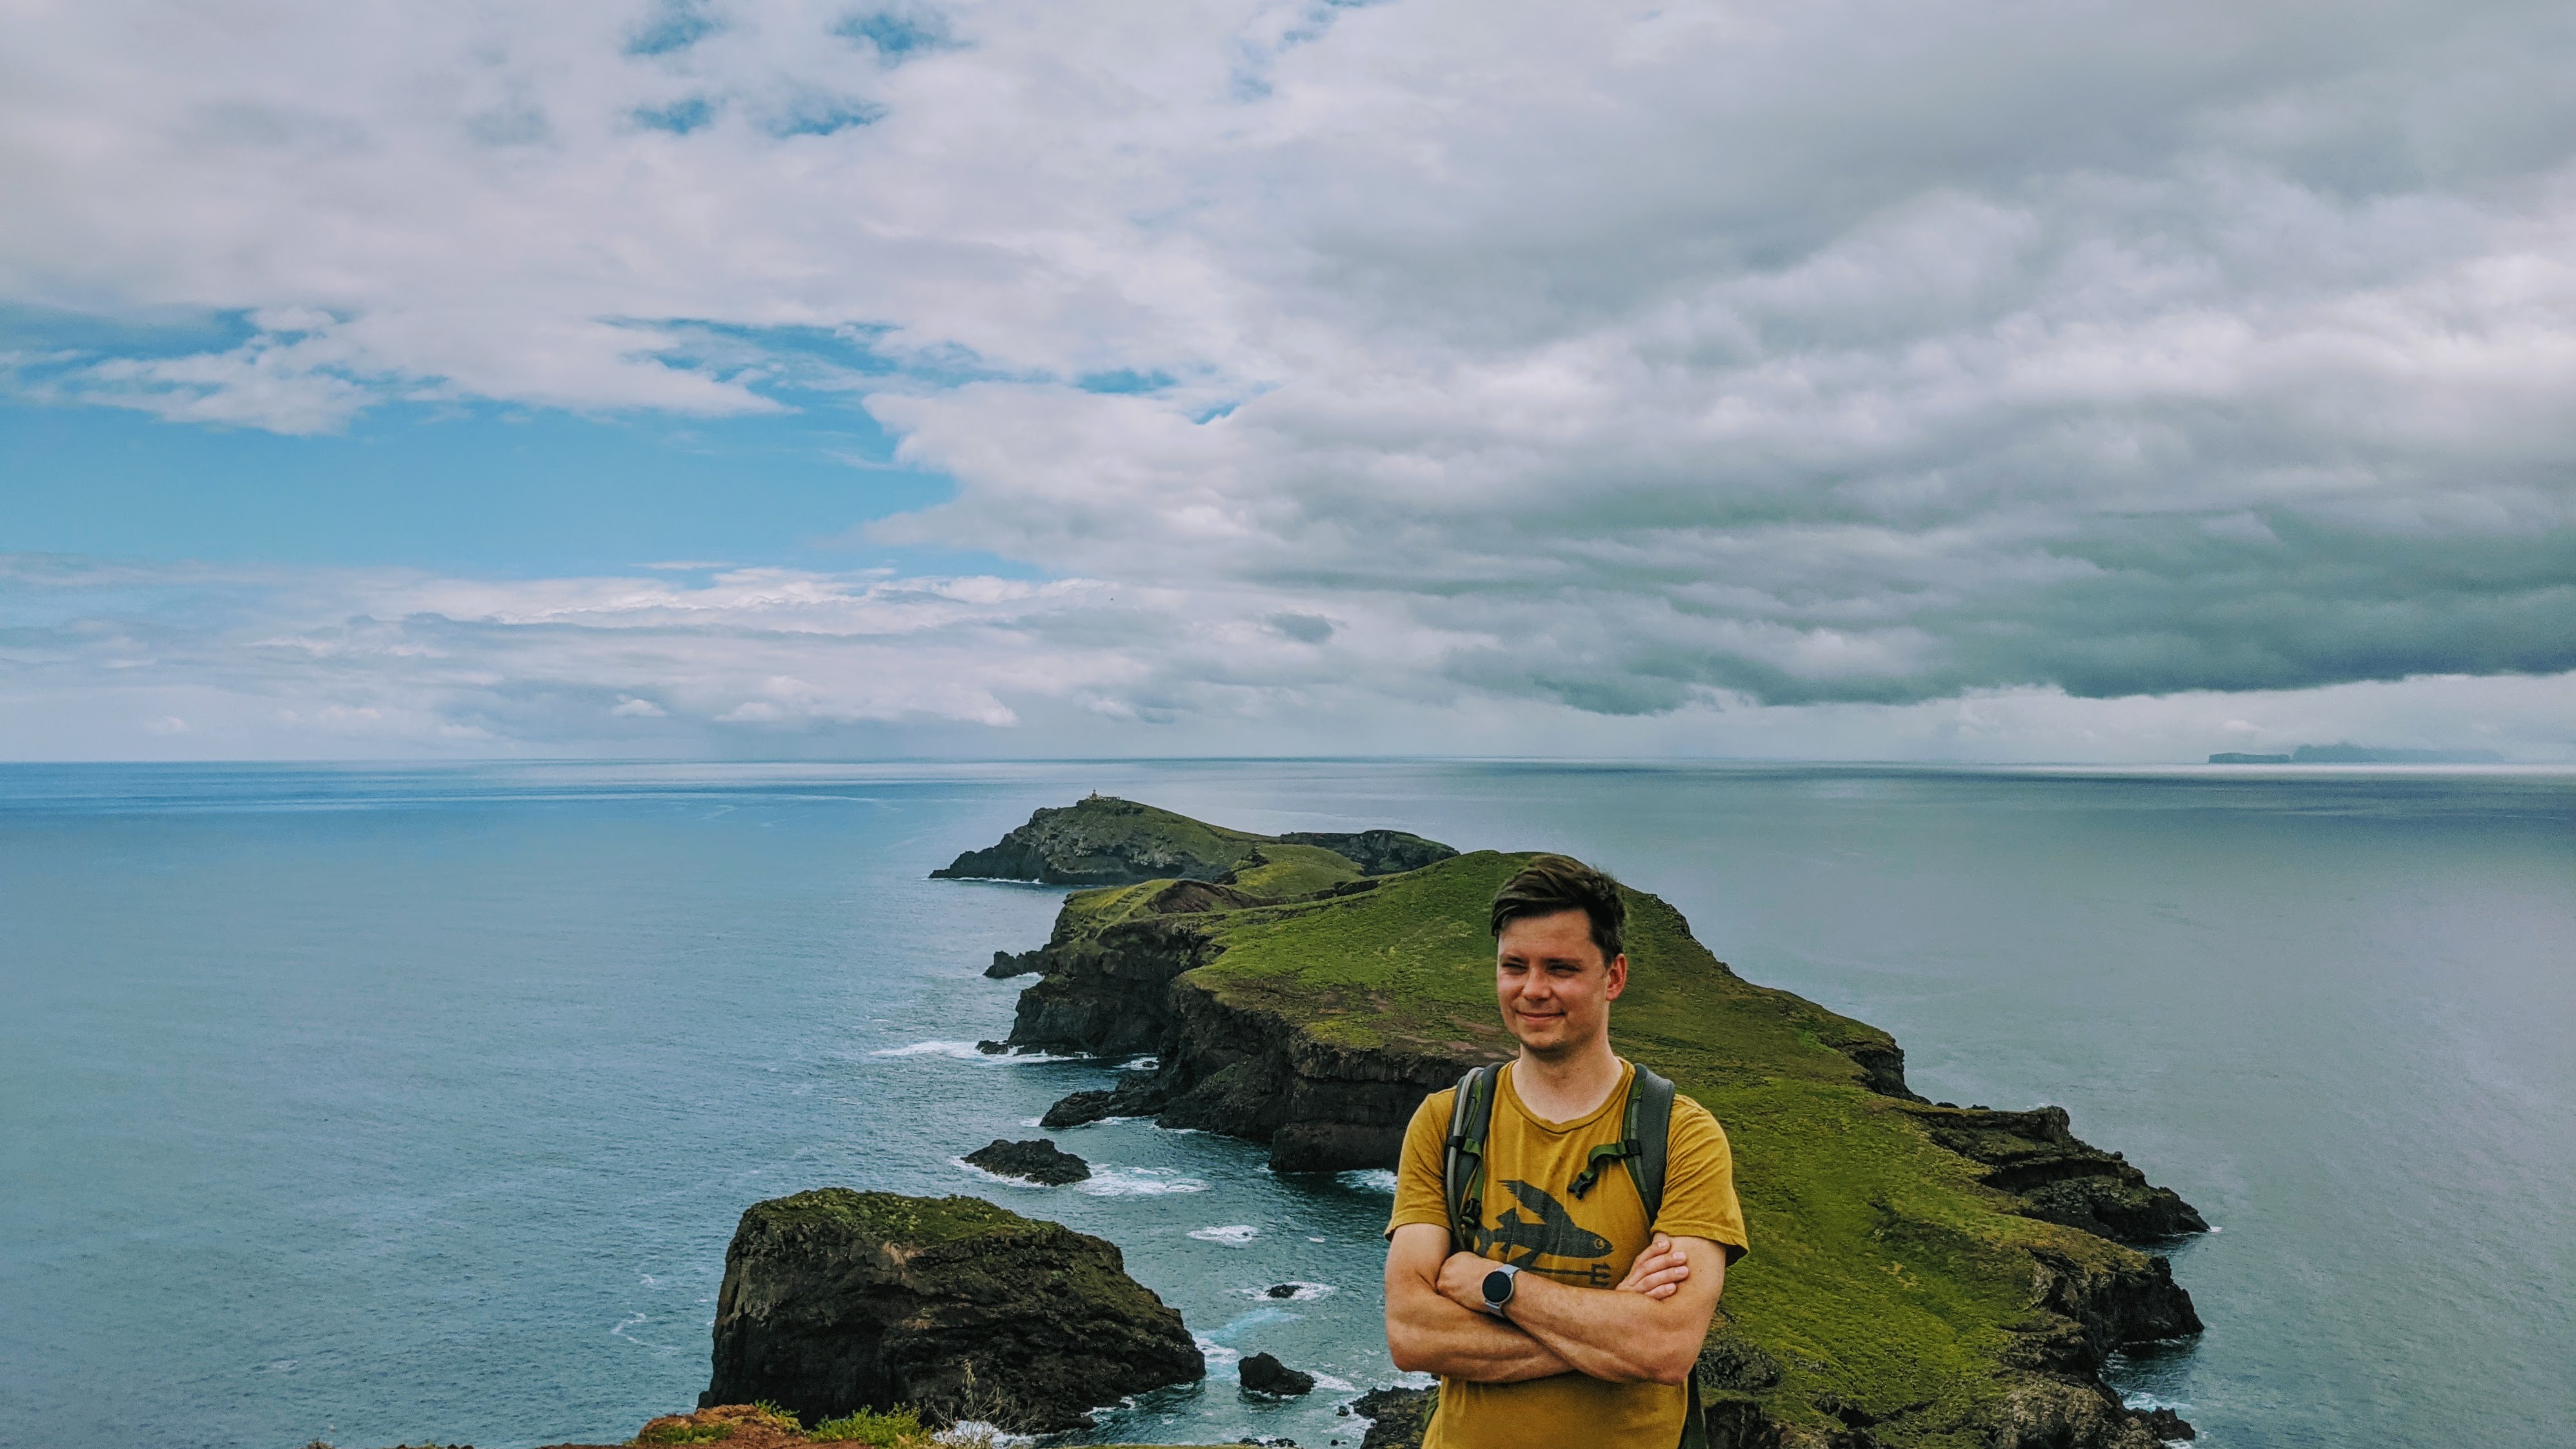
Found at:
(1554, 883)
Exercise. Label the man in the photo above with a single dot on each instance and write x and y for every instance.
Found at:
(1587, 1333)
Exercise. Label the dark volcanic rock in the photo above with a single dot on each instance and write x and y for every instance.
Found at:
(1263, 1374)
(1075, 1109)
(1006, 965)
(1037, 1159)
(2042, 1411)
(1142, 1096)
(2109, 1307)
(2166, 1424)
(1108, 994)
(2059, 1177)
(837, 1300)
(1400, 1415)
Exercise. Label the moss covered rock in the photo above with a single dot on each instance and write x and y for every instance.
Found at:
(836, 1300)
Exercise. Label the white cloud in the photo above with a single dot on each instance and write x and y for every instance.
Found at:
(270, 663)
(1608, 363)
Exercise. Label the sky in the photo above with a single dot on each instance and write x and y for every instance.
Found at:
(682, 378)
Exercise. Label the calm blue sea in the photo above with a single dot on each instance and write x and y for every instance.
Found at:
(389, 1104)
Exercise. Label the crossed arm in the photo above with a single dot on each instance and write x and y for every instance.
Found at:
(1647, 1328)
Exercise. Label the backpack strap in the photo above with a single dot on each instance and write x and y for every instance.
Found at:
(1645, 1142)
(1462, 1166)
(1650, 1126)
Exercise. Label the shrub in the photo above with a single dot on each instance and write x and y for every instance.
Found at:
(899, 1429)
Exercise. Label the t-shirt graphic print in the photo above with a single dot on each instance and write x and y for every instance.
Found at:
(1548, 1232)
(1529, 1216)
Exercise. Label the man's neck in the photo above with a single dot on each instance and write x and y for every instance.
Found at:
(1566, 1086)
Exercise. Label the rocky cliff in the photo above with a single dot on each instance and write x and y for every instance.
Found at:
(836, 1300)
(1922, 1274)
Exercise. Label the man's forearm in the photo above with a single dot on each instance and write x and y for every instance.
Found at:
(1600, 1333)
(1433, 1335)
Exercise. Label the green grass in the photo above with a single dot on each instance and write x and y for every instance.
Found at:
(893, 1217)
(1881, 1270)
(1279, 870)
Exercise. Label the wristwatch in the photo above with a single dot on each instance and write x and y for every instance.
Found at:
(1498, 1289)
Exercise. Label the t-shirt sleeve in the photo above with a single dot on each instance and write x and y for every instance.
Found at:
(1699, 1182)
(1418, 1194)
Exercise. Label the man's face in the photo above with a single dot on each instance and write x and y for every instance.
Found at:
(1554, 987)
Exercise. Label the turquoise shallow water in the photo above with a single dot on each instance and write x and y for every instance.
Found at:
(387, 1104)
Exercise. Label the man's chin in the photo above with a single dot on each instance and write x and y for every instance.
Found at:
(1543, 1038)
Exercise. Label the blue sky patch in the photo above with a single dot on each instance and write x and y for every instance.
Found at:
(673, 25)
(897, 37)
(825, 115)
(483, 489)
(679, 118)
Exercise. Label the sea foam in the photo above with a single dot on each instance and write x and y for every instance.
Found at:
(1137, 1182)
(965, 1051)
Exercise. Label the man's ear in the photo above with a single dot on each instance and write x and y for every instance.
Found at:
(1615, 977)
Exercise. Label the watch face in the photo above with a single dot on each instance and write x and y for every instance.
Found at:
(1498, 1287)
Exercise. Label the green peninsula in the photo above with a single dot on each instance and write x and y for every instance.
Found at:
(1921, 1274)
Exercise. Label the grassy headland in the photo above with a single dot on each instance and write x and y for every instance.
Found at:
(1894, 1291)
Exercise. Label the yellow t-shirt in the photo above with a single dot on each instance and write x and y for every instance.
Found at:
(1532, 1219)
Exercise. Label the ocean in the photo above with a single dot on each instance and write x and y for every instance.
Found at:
(383, 1105)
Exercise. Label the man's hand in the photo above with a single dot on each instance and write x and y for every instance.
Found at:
(1462, 1279)
(1659, 1272)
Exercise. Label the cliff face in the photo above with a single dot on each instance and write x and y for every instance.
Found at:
(837, 1300)
(2037, 1157)
(1921, 1274)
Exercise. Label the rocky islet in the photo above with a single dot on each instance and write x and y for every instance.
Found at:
(1264, 1374)
(836, 1300)
(1036, 1160)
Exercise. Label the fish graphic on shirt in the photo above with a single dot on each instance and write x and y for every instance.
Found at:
(1553, 1233)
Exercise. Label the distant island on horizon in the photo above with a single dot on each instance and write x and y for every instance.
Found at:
(2350, 754)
